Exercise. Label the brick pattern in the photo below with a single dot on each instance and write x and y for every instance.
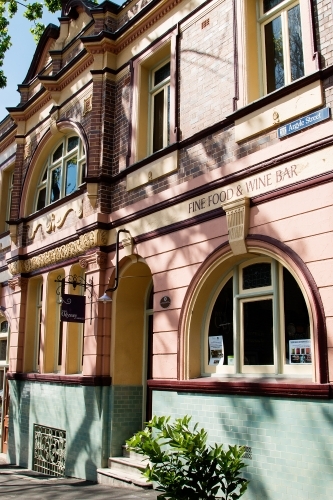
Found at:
(206, 67)
(323, 11)
(126, 411)
(291, 440)
(122, 105)
(208, 154)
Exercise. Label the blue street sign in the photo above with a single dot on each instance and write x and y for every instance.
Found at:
(303, 122)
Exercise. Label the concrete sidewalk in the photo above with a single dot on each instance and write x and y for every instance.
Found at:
(16, 482)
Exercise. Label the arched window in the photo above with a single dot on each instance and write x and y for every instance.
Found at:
(258, 322)
(63, 172)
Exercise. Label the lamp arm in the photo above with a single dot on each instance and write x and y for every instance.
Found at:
(112, 289)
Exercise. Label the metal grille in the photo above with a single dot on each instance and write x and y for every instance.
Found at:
(49, 450)
(248, 452)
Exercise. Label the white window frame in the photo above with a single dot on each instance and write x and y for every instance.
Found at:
(240, 296)
(39, 321)
(154, 90)
(264, 19)
(4, 336)
(77, 151)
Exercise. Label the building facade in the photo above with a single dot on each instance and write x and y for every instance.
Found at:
(203, 131)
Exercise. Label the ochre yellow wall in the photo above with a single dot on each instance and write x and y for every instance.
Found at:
(128, 325)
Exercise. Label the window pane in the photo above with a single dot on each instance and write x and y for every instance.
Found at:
(274, 55)
(57, 154)
(3, 350)
(158, 121)
(295, 43)
(72, 143)
(55, 184)
(297, 324)
(71, 176)
(162, 74)
(269, 4)
(44, 175)
(4, 327)
(41, 199)
(168, 111)
(257, 276)
(83, 172)
(221, 322)
(258, 332)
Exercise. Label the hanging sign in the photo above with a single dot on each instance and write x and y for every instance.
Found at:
(73, 308)
(216, 350)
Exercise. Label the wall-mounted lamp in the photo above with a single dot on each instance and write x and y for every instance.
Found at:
(105, 298)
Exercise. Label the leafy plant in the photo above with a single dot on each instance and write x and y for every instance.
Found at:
(182, 464)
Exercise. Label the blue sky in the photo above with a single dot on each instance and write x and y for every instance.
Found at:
(18, 58)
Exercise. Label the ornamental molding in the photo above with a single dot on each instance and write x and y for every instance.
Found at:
(18, 282)
(94, 261)
(238, 216)
(86, 241)
(147, 24)
(6, 144)
(56, 219)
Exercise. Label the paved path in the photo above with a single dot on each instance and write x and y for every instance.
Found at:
(16, 482)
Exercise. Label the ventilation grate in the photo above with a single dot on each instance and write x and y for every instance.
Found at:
(49, 450)
(248, 452)
(204, 23)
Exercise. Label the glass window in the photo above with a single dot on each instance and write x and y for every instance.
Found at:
(259, 322)
(160, 104)
(63, 173)
(282, 43)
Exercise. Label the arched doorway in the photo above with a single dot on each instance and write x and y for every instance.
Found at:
(130, 355)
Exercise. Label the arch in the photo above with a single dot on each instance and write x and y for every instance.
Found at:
(217, 264)
(39, 157)
(128, 322)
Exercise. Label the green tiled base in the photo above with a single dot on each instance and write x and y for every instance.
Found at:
(291, 440)
(97, 421)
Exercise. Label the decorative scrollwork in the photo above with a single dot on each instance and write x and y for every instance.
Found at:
(49, 450)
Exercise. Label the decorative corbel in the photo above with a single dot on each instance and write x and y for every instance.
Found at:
(92, 192)
(238, 214)
(13, 233)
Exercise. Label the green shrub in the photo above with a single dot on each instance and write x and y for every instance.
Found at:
(183, 466)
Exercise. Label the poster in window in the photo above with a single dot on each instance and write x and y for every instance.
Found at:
(216, 350)
(300, 351)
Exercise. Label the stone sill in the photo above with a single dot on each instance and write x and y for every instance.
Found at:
(293, 388)
(86, 380)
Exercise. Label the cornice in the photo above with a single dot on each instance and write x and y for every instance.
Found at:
(9, 140)
(79, 246)
(145, 24)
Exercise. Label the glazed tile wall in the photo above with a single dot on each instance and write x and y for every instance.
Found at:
(291, 440)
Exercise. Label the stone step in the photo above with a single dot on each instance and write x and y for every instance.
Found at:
(132, 454)
(122, 479)
(126, 464)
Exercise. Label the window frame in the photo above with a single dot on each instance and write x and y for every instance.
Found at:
(5, 336)
(275, 292)
(164, 85)
(250, 69)
(149, 59)
(264, 19)
(50, 165)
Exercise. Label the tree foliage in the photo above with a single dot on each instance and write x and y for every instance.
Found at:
(33, 12)
(183, 466)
